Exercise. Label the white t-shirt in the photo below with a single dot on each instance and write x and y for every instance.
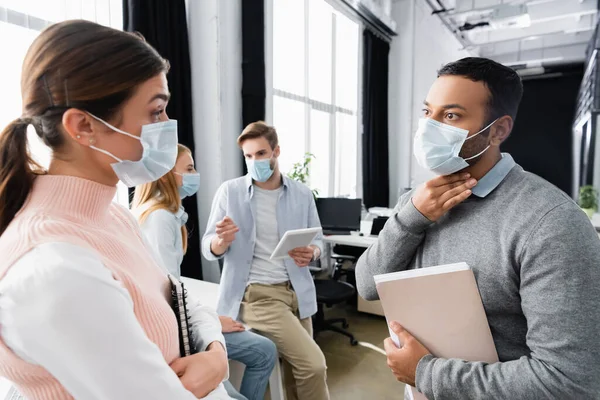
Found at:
(263, 269)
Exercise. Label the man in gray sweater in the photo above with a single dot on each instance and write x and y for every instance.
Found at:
(535, 254)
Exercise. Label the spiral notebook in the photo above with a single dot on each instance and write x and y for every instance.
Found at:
(8, 391)
(187, 344)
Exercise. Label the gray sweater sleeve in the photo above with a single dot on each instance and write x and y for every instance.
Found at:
(560, 297)
(395, 247)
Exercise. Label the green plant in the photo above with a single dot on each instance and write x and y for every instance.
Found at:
(588, 198)
(300, 171)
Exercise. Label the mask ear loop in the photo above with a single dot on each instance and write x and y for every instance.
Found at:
(477, 155)
(105, 152)
(484, 150)
(114, 128)
(483, 130)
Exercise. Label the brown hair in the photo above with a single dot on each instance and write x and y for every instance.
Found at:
(73, 64)
(164, 194)
(259, 129)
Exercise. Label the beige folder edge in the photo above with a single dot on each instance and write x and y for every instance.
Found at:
(441, 307)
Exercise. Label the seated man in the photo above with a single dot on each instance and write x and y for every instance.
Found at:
(256, 352)
(275, 297)
(535, 255)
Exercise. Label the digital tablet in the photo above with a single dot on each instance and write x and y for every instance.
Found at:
(292, 240)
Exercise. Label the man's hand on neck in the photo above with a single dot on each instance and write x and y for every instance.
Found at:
(273, 183)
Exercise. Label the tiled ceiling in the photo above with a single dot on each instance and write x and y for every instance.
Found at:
(522, 32)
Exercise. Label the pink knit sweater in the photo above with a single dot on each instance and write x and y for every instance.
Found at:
(77, 211)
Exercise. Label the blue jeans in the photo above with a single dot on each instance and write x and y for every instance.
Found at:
(258, 354)
(234, 394)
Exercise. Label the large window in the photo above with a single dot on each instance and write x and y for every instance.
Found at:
(315, 96)
(20, 23)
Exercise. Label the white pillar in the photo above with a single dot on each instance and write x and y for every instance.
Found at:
(215, 52)
(423, 45)
(400, 94)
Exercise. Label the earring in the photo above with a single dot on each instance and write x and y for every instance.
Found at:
(78, 136)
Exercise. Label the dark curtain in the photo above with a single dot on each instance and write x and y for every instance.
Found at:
(376, 181)
(164, 25)
(541, 141)
(253, 63)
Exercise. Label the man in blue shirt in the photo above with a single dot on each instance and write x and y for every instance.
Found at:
(275, 297)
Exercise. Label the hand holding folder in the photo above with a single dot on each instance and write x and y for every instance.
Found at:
(441, 307)
(403, 361)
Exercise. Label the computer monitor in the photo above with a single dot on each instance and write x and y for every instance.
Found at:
(339, 214)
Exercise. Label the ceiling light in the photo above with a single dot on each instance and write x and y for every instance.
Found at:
(529, 71)
(520, 21)
(578, 30)
(534, 63)
(510, 16)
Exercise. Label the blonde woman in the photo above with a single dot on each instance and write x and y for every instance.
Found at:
(157, 206)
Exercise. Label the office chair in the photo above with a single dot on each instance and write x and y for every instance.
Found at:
(329, 293)
(343, 254)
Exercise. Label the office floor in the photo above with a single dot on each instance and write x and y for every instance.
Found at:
(357, 372)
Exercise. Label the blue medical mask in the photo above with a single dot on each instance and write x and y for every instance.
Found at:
(260, 170)
(436, 146)
(191, 184)
(159, 141)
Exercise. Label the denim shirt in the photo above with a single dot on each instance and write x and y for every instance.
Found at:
(296, 209)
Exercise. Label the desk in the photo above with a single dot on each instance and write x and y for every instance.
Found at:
(208, 294)
(346, 240)
(350, 240)
(596, 221)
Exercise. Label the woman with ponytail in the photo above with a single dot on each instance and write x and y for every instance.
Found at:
(84, 308)
(17, 170)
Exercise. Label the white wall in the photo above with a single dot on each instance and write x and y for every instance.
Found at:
(422, 46)
(214, 28)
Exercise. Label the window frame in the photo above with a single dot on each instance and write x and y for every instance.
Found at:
(309, 104)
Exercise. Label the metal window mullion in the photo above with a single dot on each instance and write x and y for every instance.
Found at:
(318, 105)
(269, 57)
(23, 20)
(359, 114)
(333, 143)
(307, 106)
